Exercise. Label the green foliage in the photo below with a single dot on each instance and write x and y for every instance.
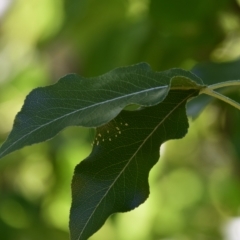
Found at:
(90, 38)
(114, 178)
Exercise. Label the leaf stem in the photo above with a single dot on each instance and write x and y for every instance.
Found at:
(211, 92)
(217, 95)
(225, 84)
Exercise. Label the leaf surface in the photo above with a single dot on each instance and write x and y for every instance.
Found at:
(77, 101)
(114, 178)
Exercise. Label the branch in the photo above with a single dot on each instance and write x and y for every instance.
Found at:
(225, 84)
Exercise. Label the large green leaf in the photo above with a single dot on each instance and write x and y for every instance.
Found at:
(114, 178)
(92, 102)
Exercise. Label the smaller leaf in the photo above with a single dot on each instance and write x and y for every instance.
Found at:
(212, 72)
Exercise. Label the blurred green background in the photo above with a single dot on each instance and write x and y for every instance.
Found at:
(195, 187)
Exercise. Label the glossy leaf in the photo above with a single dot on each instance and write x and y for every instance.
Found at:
(114, 178)
(92, 102)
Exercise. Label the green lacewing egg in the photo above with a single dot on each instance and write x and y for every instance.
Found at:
(109, 130)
